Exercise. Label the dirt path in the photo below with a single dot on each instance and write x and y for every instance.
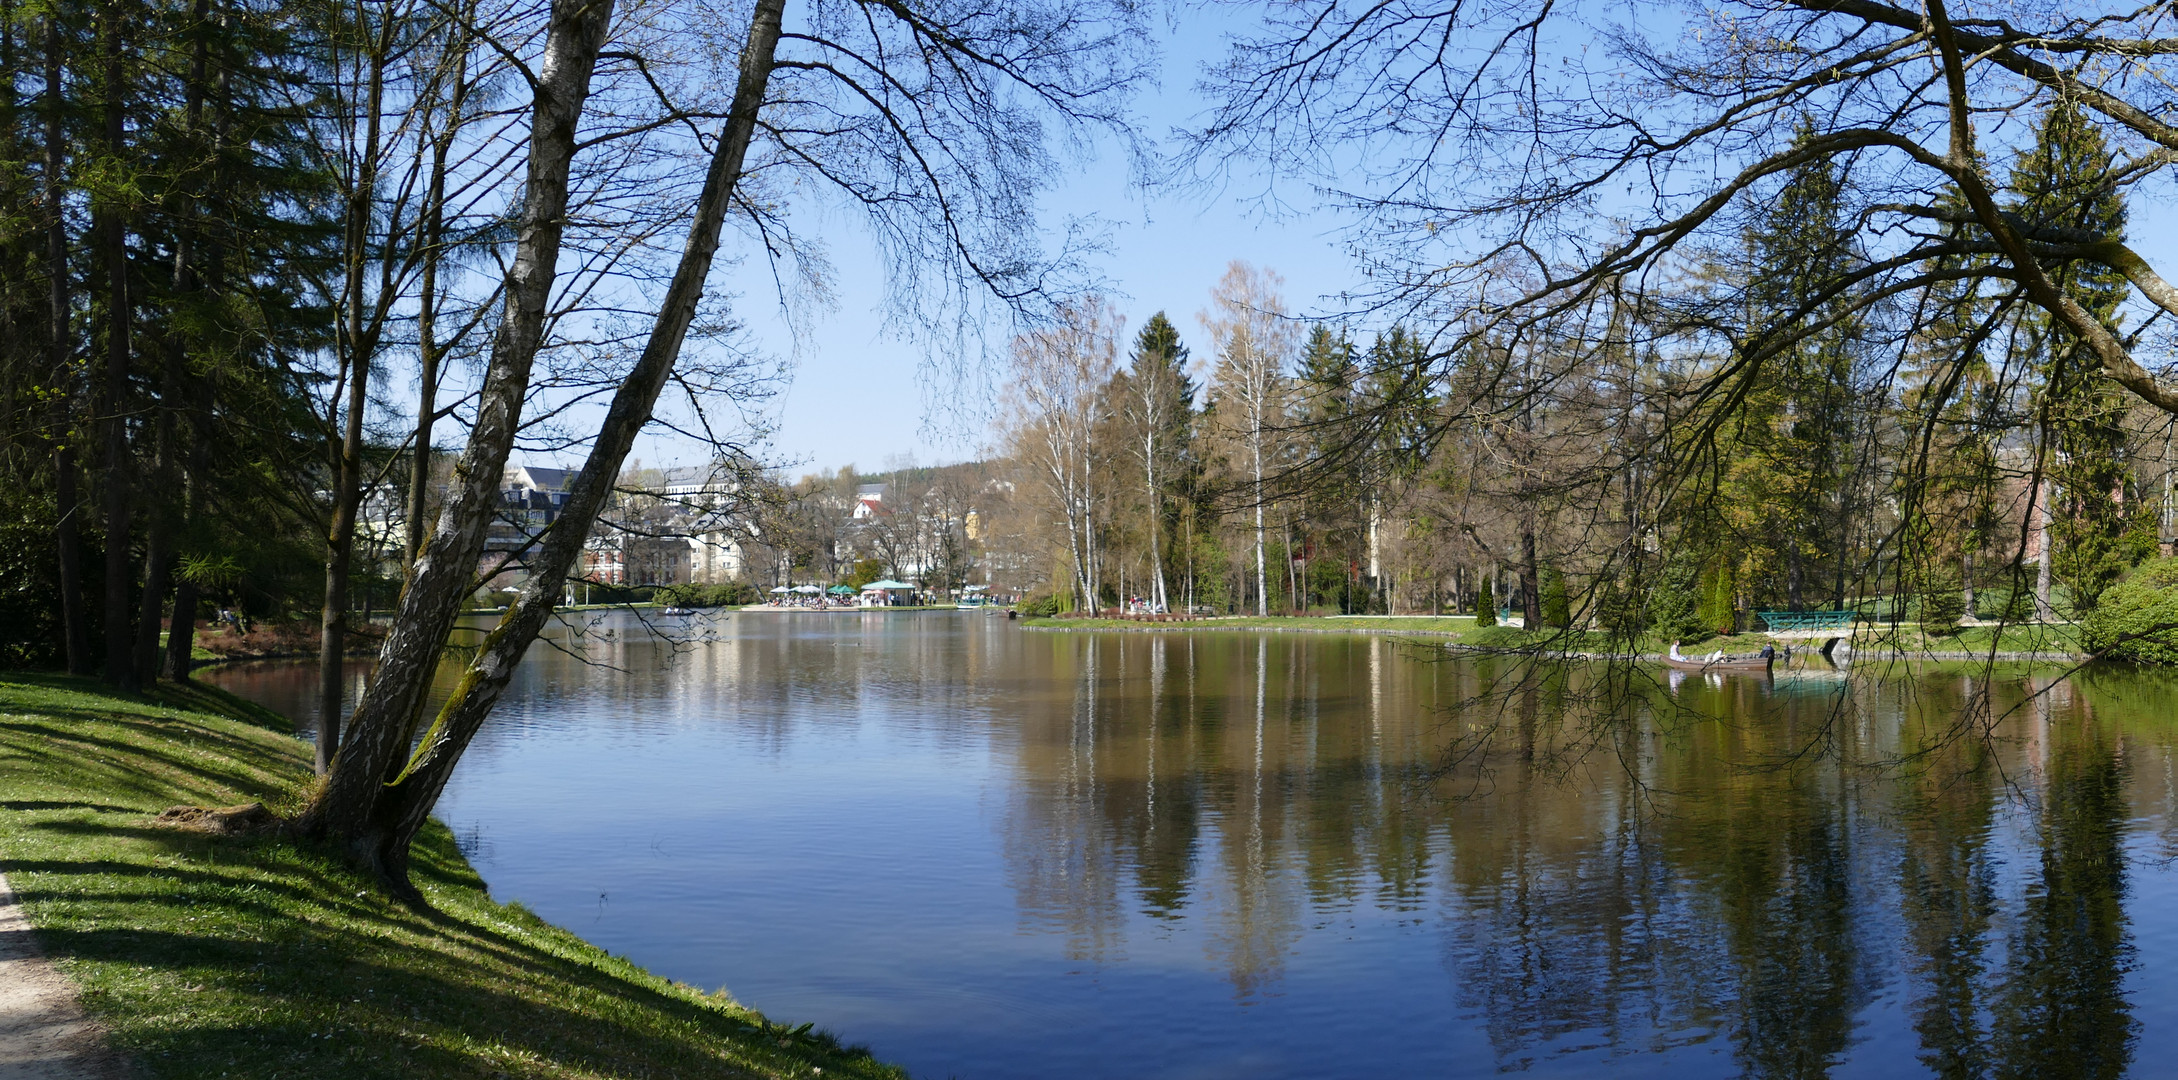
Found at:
(43, 1033)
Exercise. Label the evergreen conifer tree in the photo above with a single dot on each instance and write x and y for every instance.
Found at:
(1557, 606)
(1160, 399)
(1789, 483)
(2061, 182)
(1334, 505)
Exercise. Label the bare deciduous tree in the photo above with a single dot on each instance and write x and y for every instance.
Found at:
(928, 117)
(1254, 340)
(1059, 375)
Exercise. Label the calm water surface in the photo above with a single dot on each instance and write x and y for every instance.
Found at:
(989, 852)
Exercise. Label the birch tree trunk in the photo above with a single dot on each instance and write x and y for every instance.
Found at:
(1156, 512)
(379, 733)
(406, 803)
(1262, 574)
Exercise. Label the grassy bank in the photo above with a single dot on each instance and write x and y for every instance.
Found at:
(2054, 641)
(1367, 624)
(213, 957)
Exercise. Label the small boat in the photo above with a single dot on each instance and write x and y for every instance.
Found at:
(1748, 662)
(677, 611)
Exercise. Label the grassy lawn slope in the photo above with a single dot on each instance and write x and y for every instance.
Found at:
(210, 957)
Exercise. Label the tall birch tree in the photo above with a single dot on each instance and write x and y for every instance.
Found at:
(920, 116)
(1057, 396)
(1254, 340)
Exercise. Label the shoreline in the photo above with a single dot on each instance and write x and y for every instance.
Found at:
(205, 955)
(1873, 650)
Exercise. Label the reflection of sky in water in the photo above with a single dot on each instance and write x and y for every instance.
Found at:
(988, 852)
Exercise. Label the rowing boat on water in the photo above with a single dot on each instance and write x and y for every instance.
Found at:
(1742, 662)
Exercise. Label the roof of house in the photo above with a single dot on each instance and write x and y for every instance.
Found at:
(684, 476)
(538, 477)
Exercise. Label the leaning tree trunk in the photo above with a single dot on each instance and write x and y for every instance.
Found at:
(427, 312)
(361, 340)
(407, 802)
(380, 731)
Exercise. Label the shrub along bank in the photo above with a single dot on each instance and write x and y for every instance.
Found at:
(726, 594)
(2137, 619)
(212, 956)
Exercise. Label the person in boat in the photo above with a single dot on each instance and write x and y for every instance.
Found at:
(1716, 656)
(1675, 651)
(1769, 652)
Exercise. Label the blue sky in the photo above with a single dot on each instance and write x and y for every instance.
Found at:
(857, 394)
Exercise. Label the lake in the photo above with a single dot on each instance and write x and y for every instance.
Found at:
(985, 851)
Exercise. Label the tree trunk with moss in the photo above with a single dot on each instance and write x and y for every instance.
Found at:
(347, 809)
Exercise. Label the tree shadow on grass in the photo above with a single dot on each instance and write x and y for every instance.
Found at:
(33, 805)
(119, 765)
(350, 1005)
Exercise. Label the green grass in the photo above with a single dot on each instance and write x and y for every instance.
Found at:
(1460, 628)
(212, 957)
(2037, 637)
(196, 651)
(1403, 624)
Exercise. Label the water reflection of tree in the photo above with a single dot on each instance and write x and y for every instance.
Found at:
(1210, 776)
(1772, 853)
(2062, 1011)
(1065, 869)
(1720, 862)
(1947, 884)
(1569, 932)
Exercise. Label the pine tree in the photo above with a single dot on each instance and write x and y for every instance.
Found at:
(1159, 400)
(1557, 605)
(1789, 485)
(2061, 182)
(1334, 506)
(1947, 491)
(1395, 391)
